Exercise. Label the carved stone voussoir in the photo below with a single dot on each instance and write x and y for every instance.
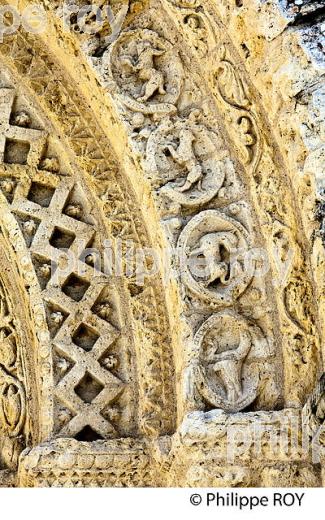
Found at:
(213, 254)
(225, 373)
(146, 71)
(187, 160)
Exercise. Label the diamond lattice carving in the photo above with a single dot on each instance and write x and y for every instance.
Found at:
(18, 144)
(79, 335)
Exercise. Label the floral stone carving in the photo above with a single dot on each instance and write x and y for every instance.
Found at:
(12, 393)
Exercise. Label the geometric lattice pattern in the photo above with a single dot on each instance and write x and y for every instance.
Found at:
(57, 229)
(12, 135)
(79, 335)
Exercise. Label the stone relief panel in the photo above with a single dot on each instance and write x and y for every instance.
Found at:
(231, 88)
(19, 392)
(79, 303)
(213, 250)
(146, 71)
(93, 389)
(122, 217)
(188, 165)
(227, 376)
(236, 98)
(187, 161)
(178, 170)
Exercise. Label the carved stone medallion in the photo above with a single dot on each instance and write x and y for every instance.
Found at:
(227, 345)
(188, 160)
(146, 71)
(214, 256)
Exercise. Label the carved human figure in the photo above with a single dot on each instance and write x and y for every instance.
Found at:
(216, 248)
(229, 364)
(227, 367)
(153, 79)
(146, 71)
(185, 156)
(194, 23)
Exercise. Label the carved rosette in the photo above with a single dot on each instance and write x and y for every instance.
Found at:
(226, 374)
(213, 253)
(146, 72)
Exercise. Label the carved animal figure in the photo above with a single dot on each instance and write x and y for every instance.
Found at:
(153, 79)
(184, 155)
(215, 247)
(229, 365)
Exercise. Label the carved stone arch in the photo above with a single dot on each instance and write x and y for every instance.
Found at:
(169, 138)
(21, 413)
(104, 341)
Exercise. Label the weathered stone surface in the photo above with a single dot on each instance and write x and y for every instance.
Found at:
(162, 245)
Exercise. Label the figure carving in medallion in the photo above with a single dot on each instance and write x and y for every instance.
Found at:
(214, 257)
(146, 71)
(188, 162)
(226, 370)
(153, 79)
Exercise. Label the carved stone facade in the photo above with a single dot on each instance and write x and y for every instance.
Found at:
(162, 260)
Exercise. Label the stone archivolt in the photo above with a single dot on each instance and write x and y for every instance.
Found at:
(138, 384)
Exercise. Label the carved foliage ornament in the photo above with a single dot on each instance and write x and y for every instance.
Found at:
(146, 71)
(233, 91)
(213, 253)
(225, 375)
(12, 393)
